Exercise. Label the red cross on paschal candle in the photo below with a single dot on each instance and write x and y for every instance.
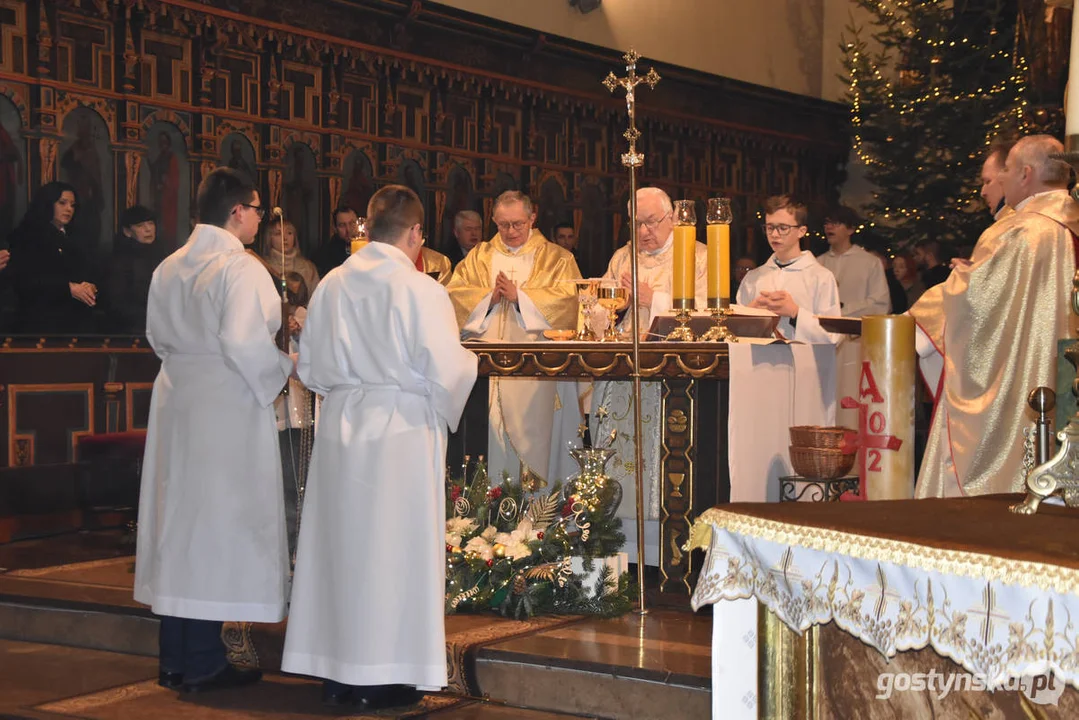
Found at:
(870, 439)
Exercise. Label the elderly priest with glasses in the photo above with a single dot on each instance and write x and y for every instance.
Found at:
(511, 289)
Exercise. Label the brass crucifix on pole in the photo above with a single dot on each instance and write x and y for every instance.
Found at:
(633, 160)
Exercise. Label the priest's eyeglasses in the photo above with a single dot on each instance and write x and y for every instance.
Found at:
(653, 223)
(782, 229)
(257, 208)
(518, 226)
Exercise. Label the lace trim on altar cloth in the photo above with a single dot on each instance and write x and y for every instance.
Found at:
(996, 618)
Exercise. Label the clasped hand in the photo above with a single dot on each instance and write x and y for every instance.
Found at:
(644, 290)
(504, 288)
(778, 301)
(84, 292)
(5, 256)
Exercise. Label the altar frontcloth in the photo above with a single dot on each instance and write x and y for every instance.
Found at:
(994, 592)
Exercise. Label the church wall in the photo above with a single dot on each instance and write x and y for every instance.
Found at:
(326, 102)
(789, 45)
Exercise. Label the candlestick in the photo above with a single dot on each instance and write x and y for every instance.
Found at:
(719, 269)
(684, 270)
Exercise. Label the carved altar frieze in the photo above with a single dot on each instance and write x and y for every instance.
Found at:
(601, 360)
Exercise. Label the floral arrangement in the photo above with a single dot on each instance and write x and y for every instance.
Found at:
(510, 546)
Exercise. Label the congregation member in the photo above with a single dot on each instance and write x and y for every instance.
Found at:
(467, 233)
(211, 525)
(512, 288)
(381, 344)
(988, 335)
(135, 256)
(742, 266)
(333, 252)
(281, 251)
(791, 284)
(927, 255)
(54, 286)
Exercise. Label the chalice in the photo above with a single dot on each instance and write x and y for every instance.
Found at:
(586, 300)
(612, 297)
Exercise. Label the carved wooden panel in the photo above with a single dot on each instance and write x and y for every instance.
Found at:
(12, 36)
(35, 436)
(418, 95)
(84, 51)
(166, 67)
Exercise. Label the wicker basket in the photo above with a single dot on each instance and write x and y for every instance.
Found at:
(812, 436)
(824, 463)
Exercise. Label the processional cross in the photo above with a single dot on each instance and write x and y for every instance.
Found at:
(633, 160)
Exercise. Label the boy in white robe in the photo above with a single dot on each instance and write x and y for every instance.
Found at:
(211, 538)
(381, 344)
(792, 284)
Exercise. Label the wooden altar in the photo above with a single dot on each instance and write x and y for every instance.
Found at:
(693, 466)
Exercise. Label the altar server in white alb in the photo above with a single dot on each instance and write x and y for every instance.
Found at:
(792, 284)
(863, 288)
(211, 538)
(382, 345)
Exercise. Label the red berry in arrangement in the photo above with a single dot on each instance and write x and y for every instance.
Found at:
(490, 563)
(567, 509)
(494, 493)
(539, 535)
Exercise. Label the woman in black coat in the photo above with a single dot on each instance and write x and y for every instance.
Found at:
(50, 270)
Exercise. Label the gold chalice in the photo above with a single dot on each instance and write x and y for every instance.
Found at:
(612, 298)
(586, 300)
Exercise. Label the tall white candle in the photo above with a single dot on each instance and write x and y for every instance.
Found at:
(1071, 107)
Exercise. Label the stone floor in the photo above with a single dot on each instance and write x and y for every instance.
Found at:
(50, 682)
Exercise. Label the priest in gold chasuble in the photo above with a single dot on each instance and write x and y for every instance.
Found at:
(512, 289)
(992, 329)
(435, 264)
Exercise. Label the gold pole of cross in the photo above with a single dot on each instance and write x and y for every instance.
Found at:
(633, 159)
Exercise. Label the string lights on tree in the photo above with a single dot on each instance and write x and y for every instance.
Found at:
(931, 85)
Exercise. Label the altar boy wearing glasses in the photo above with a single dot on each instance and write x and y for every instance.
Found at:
(792, 284)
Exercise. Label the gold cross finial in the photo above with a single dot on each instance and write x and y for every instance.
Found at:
(629, 83)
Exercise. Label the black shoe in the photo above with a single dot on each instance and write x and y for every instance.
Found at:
(170, 680)
(337, 695)
(230, 677)
(380, 697)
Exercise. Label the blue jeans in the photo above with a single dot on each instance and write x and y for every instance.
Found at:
(191, 647)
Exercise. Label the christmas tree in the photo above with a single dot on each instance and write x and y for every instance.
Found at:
(931, 85)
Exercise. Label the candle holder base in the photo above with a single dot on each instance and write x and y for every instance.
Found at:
(720, 331)
(682, 333)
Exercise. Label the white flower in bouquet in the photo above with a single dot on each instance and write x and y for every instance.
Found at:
(518, 551)
(489, 533)
(453, 540)
(460, 526)
(481, 547)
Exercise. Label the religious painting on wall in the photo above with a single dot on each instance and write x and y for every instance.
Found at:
(164, 183)
(12, 168)
(86, 163)
(238, 153)
(359, 185)
(299, 196)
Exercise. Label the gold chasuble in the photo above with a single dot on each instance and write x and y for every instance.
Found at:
(996, 323)
(524, 419)
(436, 264)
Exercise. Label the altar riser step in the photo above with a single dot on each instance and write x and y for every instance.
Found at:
(112, 631)
(602, 695)
(520, 684)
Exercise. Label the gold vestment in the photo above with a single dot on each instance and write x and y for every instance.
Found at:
(996, 323)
